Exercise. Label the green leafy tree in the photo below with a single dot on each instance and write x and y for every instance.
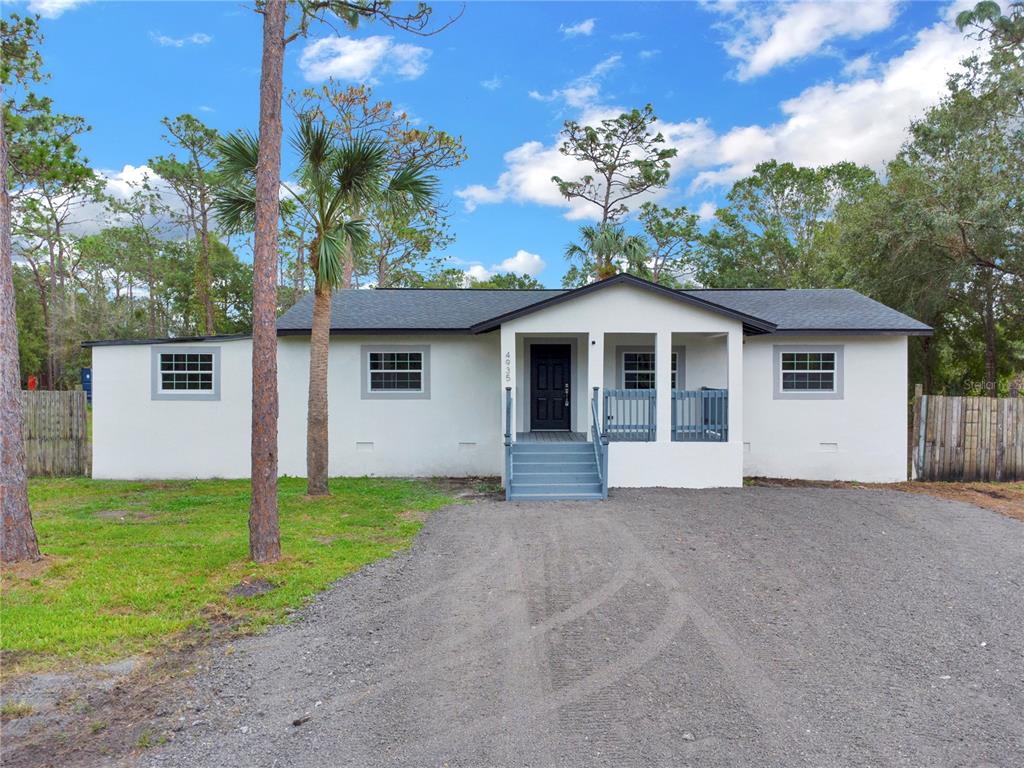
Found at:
(400, 246)
(765, 236)
(20, 65)
(264, 534)
(191, 178)
(508, 281)
(336, 179)
(673, 238)
(604, 250)
(626, 157)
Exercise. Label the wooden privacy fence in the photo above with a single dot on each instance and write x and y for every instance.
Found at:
(967, 438)
(56, 431)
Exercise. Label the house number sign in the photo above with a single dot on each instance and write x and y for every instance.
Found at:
(508, 367)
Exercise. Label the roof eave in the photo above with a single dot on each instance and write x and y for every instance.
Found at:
(751, 324)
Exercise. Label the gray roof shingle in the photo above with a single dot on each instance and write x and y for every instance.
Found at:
(453, 310)
(816, 309)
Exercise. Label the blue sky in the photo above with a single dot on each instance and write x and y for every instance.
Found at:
(733, 84)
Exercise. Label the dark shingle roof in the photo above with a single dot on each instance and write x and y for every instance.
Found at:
(408, 309)
(816, 309)
(424, 310)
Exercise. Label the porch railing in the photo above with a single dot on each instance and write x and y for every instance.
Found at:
(630, 414)
(508, 442)
(600, 440)
(700, 415)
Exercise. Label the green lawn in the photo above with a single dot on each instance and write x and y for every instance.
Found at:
(130, 565)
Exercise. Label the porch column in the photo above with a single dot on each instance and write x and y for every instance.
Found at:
(663, 384)
(735, 352)
(595, 374)
(507, 367)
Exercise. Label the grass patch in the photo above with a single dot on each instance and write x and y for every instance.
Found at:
(131, 565)
(11, 710)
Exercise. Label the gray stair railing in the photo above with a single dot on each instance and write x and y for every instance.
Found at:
(508, 443)
(700, 415)
(630, 414)
(600, 440)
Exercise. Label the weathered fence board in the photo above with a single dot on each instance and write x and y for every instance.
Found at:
(56, 431)
(967, 438)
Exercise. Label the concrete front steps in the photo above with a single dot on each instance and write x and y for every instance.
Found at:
(554, 471)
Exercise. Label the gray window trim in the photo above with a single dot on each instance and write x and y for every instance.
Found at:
(364, 368)
(157, 394)
(778, 394)
(620, 372)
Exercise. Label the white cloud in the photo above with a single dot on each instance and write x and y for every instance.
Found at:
(199, 38)
(706, 211)
(858, 67)
(52, 9)
(864, 121)
(206, 108)
(348, 58)
(583, 28)
(584, 91)
(627, 36)
(767, 36)
(493, 84)
(523, 263)
(649, 53)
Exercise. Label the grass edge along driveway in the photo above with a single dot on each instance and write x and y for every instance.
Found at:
(130, 566)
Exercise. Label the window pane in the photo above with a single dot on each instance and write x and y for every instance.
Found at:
(191, 371)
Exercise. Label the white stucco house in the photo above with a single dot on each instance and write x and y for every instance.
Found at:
(563, 393)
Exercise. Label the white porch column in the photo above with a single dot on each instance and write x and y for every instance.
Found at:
(508, 376)
(735, 352)
(663, 383)
(595, 373)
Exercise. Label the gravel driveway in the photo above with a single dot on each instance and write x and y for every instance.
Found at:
(741, 627)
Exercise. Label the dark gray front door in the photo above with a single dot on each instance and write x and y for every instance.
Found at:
(549, 386)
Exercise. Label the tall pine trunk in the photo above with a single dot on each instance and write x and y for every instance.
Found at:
(316, 415)
(264, 534)
(17, 535)
(989, 330)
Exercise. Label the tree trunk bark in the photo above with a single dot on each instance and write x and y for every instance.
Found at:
(203, 276)
(316, 416)
(989, 324)
(17, 535)
(264, 534)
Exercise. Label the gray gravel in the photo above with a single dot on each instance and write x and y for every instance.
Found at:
(741, 627)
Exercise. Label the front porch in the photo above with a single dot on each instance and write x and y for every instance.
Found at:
(636, 409)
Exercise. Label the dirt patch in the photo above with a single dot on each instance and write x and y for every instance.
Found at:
(29, 569)
(122, 515)
(325, 540)
(108, 714)
(471, 488)
(251, 588)
(1004, 498)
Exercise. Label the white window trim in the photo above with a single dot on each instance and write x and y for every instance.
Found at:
(622, 366)
(836, 393)
(157, 392)
(423, 393)
(678, 352)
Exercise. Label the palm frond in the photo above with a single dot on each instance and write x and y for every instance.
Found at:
(334, 249)
(410, 189)
(238, 154)
(234, 205)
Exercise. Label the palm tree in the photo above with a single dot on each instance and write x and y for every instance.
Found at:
(606, 250)
(337, 178)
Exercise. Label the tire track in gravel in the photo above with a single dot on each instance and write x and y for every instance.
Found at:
(420, 666)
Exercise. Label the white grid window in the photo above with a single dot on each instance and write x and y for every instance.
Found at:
(808, 371)
(395, 371)
(186, 372)
(638, 370)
